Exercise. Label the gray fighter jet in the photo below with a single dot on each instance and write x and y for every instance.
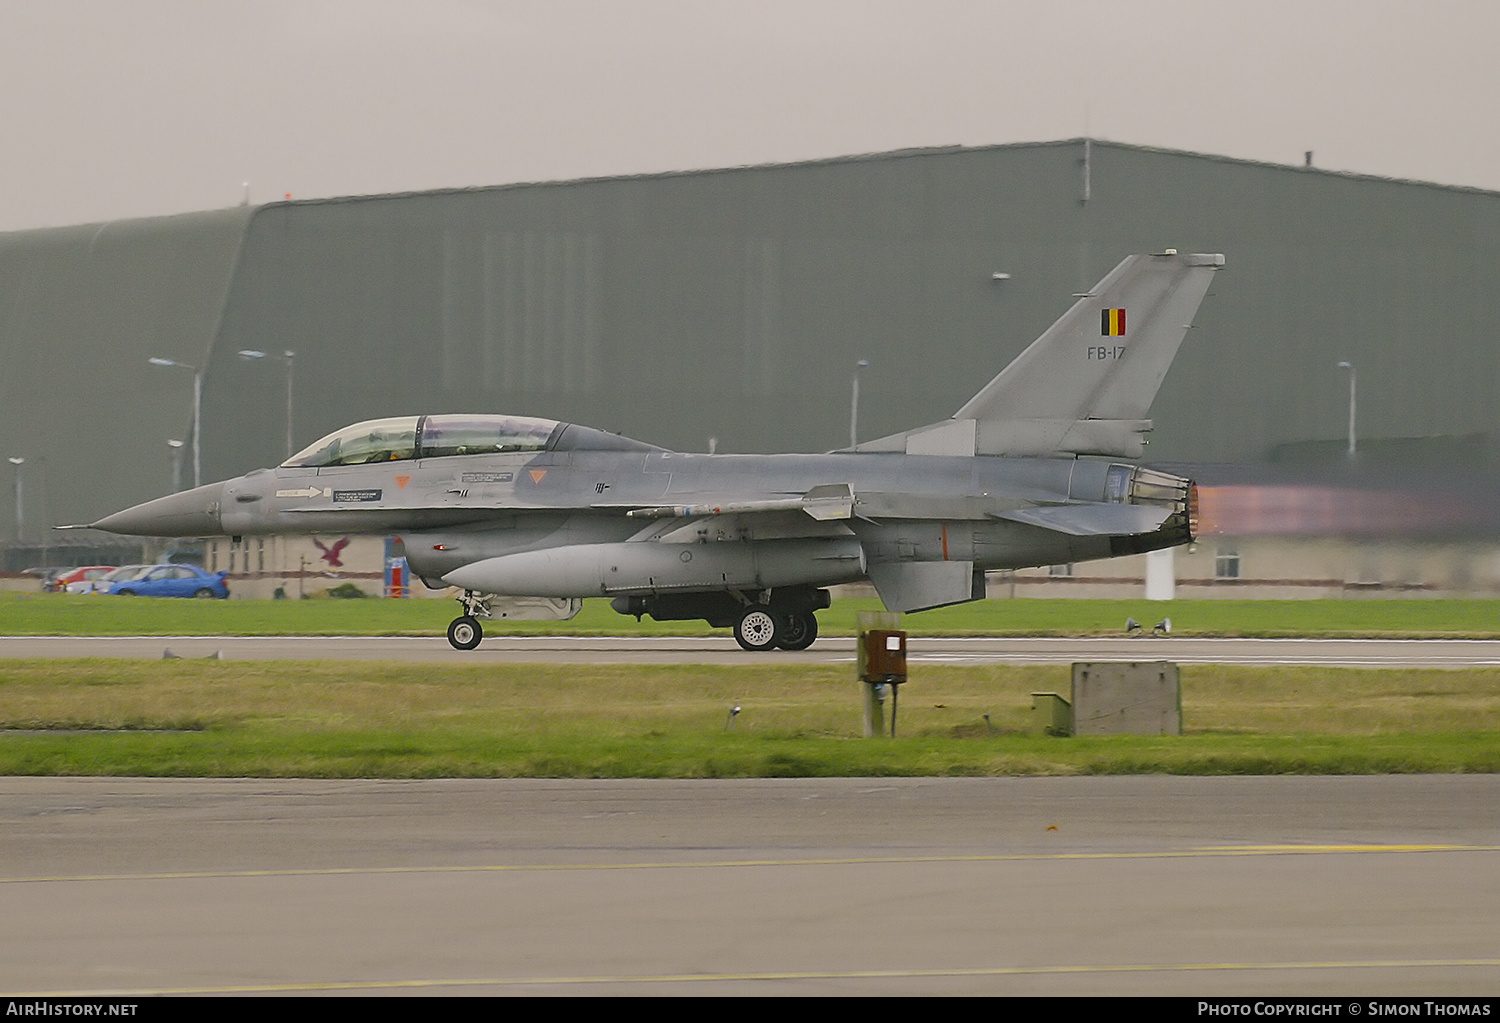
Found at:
(512, 506)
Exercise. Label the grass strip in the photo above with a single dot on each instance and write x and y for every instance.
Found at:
(402, 720)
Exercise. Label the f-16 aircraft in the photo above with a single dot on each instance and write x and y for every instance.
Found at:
(523, 507)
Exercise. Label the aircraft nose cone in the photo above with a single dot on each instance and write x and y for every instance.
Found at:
(190, 513)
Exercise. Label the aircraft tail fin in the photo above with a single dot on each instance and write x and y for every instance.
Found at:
(1086, 385)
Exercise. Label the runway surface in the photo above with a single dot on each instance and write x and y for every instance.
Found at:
(1358, 886)
(1369, 653)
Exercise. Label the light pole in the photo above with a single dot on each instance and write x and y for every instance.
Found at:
(176, 447)
(20, 504)
(1353, 378)
(286, 357)
(854, 405)
(197, 414)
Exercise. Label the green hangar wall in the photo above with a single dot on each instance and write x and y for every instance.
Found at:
(81, 310)
(734, 304)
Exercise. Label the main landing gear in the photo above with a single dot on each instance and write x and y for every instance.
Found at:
(798, 631)
(787, 623)
(760, 628)
(761, 619)
(465, 632)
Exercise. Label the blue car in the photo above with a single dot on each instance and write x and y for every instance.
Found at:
(168, 581)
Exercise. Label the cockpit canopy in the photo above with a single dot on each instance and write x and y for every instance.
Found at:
(394, 440)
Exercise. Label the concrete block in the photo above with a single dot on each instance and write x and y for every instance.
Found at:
(1127, 698)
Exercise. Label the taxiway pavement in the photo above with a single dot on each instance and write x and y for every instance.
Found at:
(1356, 886)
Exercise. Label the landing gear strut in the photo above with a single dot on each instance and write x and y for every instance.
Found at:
(465, 632)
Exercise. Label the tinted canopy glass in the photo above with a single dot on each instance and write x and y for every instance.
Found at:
(379, 440)
(391, 440)
(483, 435)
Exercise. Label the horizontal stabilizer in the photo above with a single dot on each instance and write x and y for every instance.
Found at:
(1093, 519)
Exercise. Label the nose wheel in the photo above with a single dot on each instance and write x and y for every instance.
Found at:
(465, 633)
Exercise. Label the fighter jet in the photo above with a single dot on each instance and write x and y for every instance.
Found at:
(512, 506)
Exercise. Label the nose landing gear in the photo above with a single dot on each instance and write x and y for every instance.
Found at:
(465, 632)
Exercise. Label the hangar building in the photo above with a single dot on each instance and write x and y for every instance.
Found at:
(729, 308)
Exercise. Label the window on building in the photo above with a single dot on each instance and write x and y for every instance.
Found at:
(1227, 564)
(1060, 570)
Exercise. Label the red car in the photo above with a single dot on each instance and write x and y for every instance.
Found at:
(88, 573)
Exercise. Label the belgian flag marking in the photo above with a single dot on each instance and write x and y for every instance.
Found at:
(1112, 322)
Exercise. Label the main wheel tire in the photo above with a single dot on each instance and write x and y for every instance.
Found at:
(798, 631)
(465, 633)
(205, 594)
(757, 628)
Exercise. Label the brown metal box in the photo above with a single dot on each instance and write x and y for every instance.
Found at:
(885, 655)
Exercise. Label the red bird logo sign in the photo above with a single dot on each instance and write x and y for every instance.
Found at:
(331, 554)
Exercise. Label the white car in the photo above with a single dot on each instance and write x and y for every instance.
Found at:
(101, 584)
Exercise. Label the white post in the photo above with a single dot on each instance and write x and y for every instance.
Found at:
(1161, 575)
(175, 446)
(1353, 388)
(197, 428)
(197, 413)
(20, 500)
(289, 356)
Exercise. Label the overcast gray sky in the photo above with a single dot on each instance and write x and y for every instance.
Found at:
(123, 108)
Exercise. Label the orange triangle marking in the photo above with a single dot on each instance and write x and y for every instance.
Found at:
(537, 474)
(402, 481)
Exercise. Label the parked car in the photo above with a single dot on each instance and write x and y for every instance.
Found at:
(88, 573)
(169, 581)
(101, 584)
